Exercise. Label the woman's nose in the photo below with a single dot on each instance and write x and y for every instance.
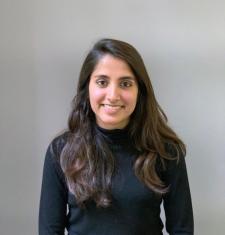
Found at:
(113, 93)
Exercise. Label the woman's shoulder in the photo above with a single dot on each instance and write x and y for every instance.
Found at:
(175, 157)
(52, 166)
(58, 142)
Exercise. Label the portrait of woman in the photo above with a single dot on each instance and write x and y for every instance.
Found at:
(119, 160)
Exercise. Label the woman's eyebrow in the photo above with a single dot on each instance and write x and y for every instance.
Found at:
(127, 78)
(101, 76)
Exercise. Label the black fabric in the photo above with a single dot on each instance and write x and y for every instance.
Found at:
(135, 208)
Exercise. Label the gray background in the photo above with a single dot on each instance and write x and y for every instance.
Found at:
(42, 46)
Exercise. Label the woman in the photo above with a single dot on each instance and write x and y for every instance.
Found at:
(119, 160)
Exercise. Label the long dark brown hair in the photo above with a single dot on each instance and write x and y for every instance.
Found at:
(86, 159)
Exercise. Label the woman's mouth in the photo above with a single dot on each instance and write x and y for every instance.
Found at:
(111, 109)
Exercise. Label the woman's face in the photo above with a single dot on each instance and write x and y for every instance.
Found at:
(113, 92)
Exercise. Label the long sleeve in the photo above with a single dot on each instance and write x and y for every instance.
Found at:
(177, 202)
(53, 201)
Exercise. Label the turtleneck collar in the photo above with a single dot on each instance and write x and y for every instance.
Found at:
(114, 135)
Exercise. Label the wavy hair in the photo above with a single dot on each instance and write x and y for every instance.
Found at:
(86, 159)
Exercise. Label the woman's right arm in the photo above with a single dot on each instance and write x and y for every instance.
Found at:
(53, 201)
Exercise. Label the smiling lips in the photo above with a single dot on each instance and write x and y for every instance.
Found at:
(112, 109)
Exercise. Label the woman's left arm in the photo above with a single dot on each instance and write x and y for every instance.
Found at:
(177, 202)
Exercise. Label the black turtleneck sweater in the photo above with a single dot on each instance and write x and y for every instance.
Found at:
(135, 209)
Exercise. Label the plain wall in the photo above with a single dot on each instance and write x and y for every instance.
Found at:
(42, 46)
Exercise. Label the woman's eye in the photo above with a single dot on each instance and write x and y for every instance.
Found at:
(125, 84)
(101, 83)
